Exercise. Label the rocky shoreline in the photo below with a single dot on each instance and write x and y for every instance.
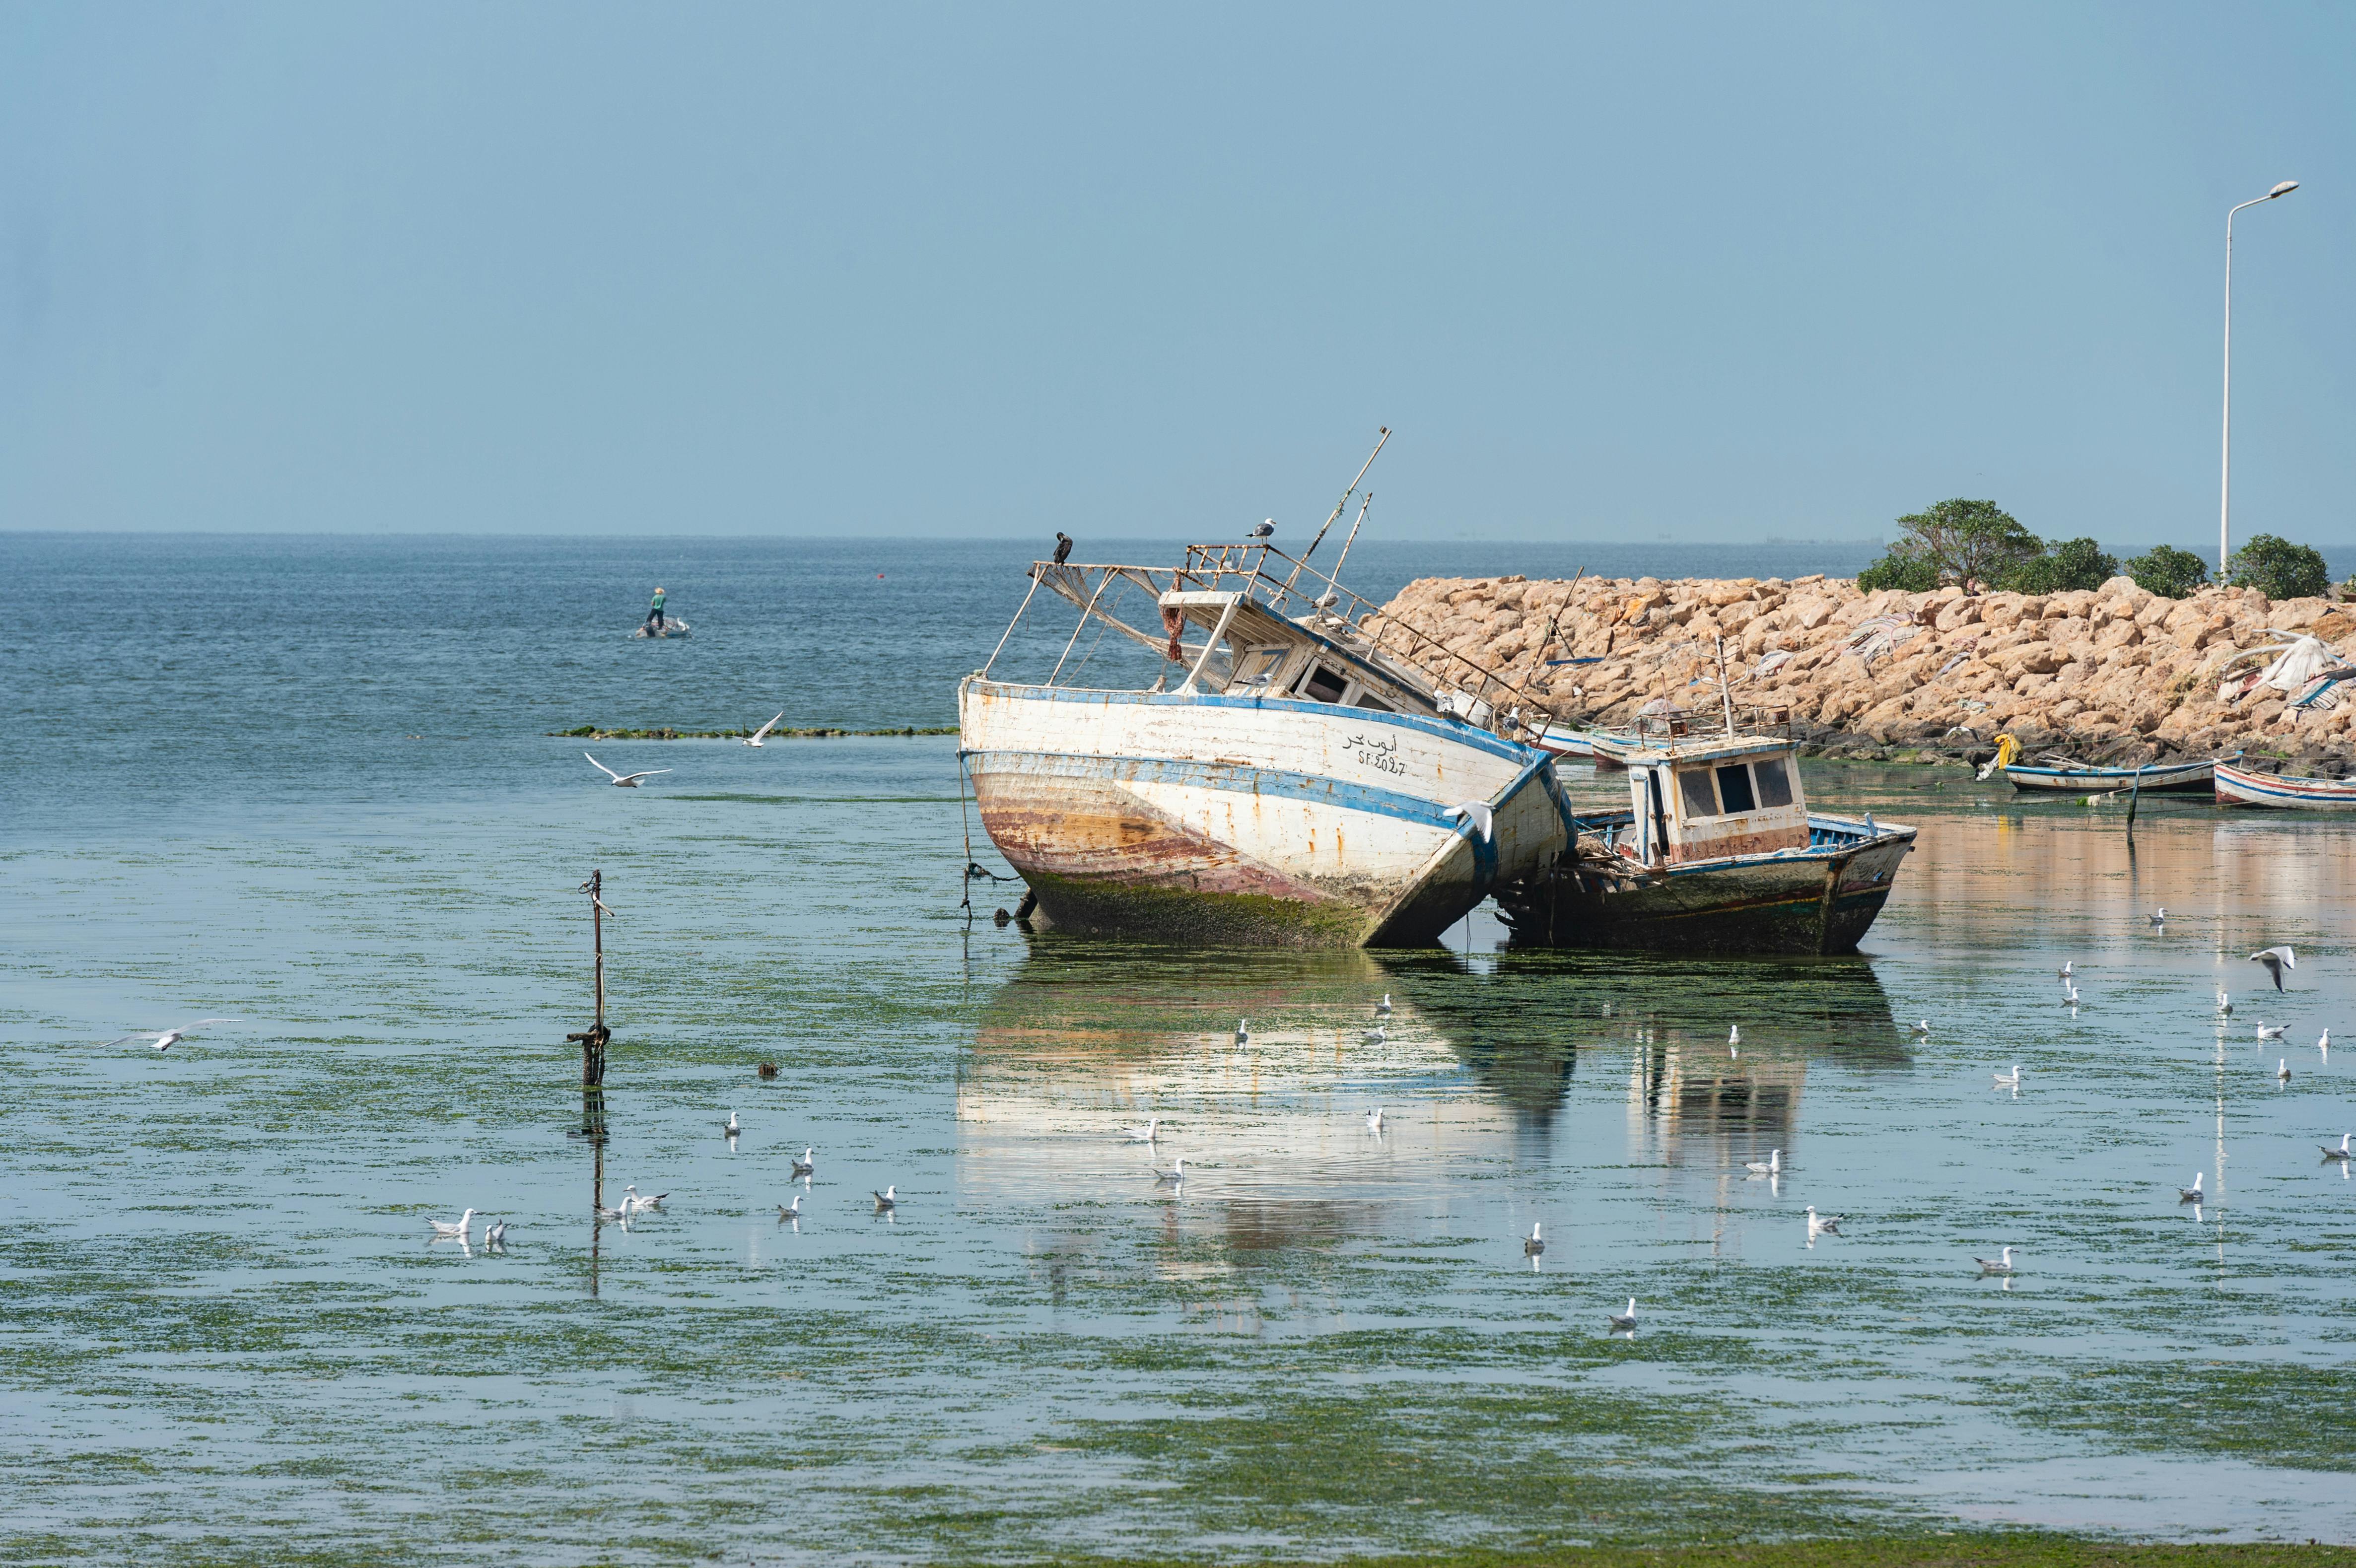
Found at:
(2112, 675)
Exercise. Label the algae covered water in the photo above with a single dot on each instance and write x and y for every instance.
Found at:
(316, 793)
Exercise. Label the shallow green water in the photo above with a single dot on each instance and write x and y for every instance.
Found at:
(224, 1322)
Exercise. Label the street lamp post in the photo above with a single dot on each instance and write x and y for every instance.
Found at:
(2226, 477)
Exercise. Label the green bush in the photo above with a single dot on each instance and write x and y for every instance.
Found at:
(1904, 567)
(2072, 563)
(2279, 569)
(2171, 573)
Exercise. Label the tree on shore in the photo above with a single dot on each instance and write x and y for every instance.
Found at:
(2072, 563)
(1957, 541)
(2171, 573)
(2279, 569)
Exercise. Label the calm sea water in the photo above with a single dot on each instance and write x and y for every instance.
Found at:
(307, 784)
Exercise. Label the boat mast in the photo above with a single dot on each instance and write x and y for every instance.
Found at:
(1384, 434)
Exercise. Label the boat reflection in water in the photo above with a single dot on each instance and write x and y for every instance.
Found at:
(1473, 1073)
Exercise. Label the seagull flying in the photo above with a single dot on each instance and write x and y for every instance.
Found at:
(165, 1039)
(1531, 1245)
(623, 781)
(758, 736)
(1625, 1322)
(2192, 1194)
(1478, 815)
(453, 1228)
(2340, 1152)
(2001, 1264)
(803, 1163)
(1772, 1166)
(2277, 960)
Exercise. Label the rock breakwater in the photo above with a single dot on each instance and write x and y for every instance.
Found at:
(2114, 674)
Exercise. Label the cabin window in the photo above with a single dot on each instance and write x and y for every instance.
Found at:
(1259, 668)
(1322, 685)
(1734, 788)
(1774, 782)
(1368, 700)
(1693, 783)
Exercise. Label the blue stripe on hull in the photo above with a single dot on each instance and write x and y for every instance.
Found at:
(1237, 776)
(1454, 729)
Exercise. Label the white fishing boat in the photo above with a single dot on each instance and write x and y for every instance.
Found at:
(2237, 786)
(1290, 774)
(1717, 853)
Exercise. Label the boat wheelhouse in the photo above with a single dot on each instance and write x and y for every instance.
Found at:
(1292, 771)
(1717, 852)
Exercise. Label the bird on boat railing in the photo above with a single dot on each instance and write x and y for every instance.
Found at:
(1264, 529)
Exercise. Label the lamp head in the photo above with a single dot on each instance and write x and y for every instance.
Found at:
(2283, 189)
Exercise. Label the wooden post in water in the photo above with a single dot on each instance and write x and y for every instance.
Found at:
(2133, 795)
(592, 1039)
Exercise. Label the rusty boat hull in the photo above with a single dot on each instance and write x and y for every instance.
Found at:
(1206, 817)
(1818, 900)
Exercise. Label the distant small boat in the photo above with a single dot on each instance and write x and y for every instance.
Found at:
(2235, 787)
(2077, 778)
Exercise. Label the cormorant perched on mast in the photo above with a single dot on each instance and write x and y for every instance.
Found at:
(1063, 546)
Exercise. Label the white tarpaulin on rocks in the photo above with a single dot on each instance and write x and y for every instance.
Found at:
(2306, 669)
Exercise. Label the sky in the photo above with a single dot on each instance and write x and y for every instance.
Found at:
(1684, 272)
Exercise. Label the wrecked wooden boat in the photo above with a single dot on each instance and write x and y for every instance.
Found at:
(1719, 853)
(1290, 774)
(2060, 775)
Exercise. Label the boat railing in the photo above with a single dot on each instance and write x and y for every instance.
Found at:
(1300, 594)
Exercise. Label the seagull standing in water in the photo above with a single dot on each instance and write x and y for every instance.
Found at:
(2323, 1044)
(496, 1236)
(1922, 1027)
(2068, 967)
(2281, 1070)
(1625, 1322)
(792, 1210)
(806, 1162)
(2069, 993)
(2270, 1031)
(1531, 1244)
(452, 1229)
(2277, 960)
(1145, 1135)
(2340, 1152)
(2158, 916)
(1376, 1036)
(729, 1127)
(758, 736)
(2225, 1004)
(632, 1204)
(623, 781)
(887, 1200)
(1734, 1035)
(1825, 1225)
(1243, 1033)
(165, 1039)
(2192, 1194)
(1173, 1176)
(2000, 1264)
(1772, 1166)
(2009, 1080)
(1384, 1007)
(1375, 1121)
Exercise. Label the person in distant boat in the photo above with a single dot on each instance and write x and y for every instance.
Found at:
(655, 615)
(1063, 546)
